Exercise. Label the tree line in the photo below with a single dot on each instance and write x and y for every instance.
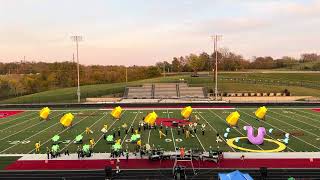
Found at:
(230, 61)
(21, 78)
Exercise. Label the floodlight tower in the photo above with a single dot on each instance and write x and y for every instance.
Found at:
(77, 39)
(215, 42)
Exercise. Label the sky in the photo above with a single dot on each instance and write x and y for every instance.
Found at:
(143, 32)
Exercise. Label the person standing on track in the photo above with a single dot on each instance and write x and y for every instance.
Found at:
(118, 166)
(48, 153)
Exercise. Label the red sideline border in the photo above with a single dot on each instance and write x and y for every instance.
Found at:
(9, 113)
(174, 106)
(316, 110)
(165, 164)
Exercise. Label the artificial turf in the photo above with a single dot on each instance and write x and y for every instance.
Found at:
(20, 132)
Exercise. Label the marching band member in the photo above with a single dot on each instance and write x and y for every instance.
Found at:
(37, 146)
(161, 134)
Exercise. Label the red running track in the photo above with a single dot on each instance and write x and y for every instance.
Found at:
(147, 164)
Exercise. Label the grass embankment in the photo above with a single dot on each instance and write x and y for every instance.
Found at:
(277, 82)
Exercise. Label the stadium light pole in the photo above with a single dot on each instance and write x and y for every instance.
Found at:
(164, 69)
(77, 39)
(126, 75)
(216, 38)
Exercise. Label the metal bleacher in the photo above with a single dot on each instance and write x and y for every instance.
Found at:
(164, 91)
(144, 92)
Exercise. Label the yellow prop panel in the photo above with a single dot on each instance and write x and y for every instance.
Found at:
(67, 119)
(116, 112)
(261, 112)
(44, 113)
(151, 118)
(233, 118)
(186, 112)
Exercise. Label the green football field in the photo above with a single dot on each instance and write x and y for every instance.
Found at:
(19, 133)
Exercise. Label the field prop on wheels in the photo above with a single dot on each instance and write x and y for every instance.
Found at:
(86, 150)
(55, 139)
(233, 119)
(261, 112)
(109, 139)
(117, 147)
(78, 139)
(151, 118)
(116, 112)
(55, 149)
(44, 113)
(186, 112)
(66, 120)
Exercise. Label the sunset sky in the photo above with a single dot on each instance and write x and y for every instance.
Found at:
(142, 32)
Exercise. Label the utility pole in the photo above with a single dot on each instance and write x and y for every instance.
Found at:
(126, 75)
(164, 69)
(77, 39)
(215, 40)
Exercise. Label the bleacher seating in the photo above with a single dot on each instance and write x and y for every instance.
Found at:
(143, 92)
(164, 91)
(191, 92)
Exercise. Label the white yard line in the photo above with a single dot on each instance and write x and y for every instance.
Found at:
(31, 136)
(18, 124)
(85, 130)
(305, 117)
(173, 139)
(17, 117)
(269, 125)
(130, 127)
(108, 130)
(296, 126)
(102, 134)
(235, 128)
(299, 120)
(149, 136)
(293, 135)
(313, 114)
(42, 121)
(200, 142)
(215, 130)
(64, 131)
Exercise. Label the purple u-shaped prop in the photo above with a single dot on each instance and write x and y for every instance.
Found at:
(257, 140)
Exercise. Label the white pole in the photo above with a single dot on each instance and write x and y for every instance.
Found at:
(77, 39)
(78, 69)
(216, 66)
(216, 80)
(126, 75)
(164, 69)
